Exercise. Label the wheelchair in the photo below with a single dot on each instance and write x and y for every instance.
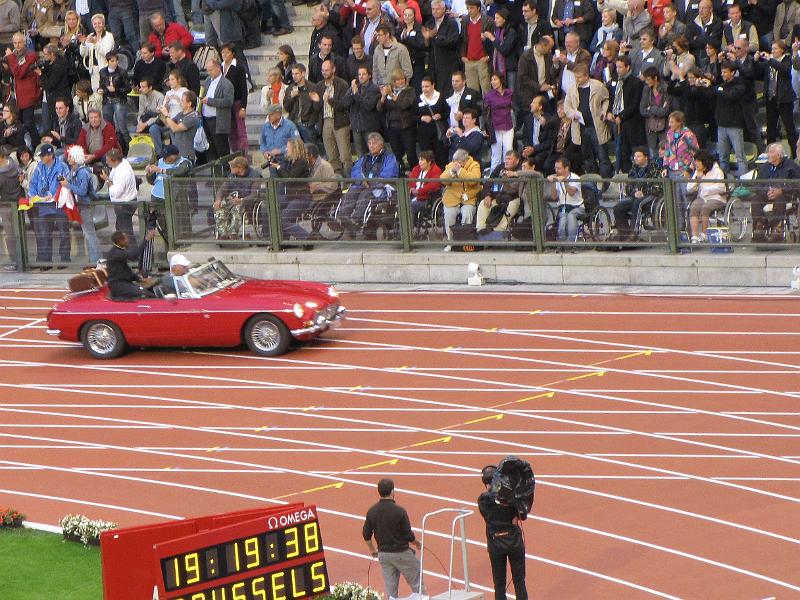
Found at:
(596, 224)
(430, 219)
(735, 215)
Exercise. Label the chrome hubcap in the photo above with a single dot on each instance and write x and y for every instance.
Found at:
(101, 339)
(266, 336)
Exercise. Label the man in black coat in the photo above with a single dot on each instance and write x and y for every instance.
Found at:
(538, 133)
(319, 19)
(122, 281)
(324, 52)
(704, 27)
(528, 85)
(362, 100)
(187, 68)
(532, 27)
(462, 98)
(67, 127)
(776, 167)
(444, 39)
(746, 67)
(54, 79)
(577, 16)
(624, 102)
(776, 69)
(729, 115)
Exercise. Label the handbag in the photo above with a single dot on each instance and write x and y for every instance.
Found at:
(490, 134)
(441, 126)
(200, 140)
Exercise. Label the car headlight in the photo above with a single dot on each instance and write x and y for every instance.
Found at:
(311, 305)
(332, 292)
(298, 310)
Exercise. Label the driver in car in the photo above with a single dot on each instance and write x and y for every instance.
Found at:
(178, 266)
(122, 281)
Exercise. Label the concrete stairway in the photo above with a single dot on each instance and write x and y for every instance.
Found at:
(264, 58)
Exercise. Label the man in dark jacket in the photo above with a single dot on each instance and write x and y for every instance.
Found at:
(324, 52)
(189, 70)
(504, 540)
(730, 120)
(528, 76)
(67, 127)
(703, 28)
(577, 16)
(298, 104)
(444, 40)
(362, 100)
(624, 102)
(333, 118)
(357, 59)
(746, 67)
(538, 133)
(319, 19)
(114, 87)
(10, 193)
(54, 79)
(151, 67)
(776, 69)
(122, 281)
(462, 98)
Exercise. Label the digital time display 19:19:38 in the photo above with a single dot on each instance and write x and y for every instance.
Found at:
(247, 554)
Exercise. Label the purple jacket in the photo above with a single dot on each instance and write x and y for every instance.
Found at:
(501, 106)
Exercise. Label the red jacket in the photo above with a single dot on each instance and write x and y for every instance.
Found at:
(427, 188)
(175, 32)
(26, 81)
(109, 140)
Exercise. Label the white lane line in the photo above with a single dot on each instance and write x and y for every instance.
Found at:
(27, 298)
(411, 327)
(441, 464)
(472, 437)
(626, 539)
(16, 329)
(546, 311)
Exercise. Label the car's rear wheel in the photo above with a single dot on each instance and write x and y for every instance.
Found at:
(103, 339)
(267, 335)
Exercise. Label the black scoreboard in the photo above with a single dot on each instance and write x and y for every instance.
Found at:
(275, 557)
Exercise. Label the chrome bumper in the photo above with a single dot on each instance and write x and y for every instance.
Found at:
(53, 332)
(322, 323)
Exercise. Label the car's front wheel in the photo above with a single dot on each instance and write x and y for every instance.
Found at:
(267, 335)
(103, 339)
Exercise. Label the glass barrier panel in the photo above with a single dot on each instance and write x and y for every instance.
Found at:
(8, 236)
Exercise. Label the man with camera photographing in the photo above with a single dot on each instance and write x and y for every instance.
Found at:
(504, 540)
(22, 64)
(275, 135)
(54, 79)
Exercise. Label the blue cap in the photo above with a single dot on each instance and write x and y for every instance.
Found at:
(169, 150)
(45, 150)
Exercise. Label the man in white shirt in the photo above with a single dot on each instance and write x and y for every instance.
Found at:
(566, 191)
(121, 190)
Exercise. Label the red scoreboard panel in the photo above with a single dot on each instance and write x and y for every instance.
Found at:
(267, 554)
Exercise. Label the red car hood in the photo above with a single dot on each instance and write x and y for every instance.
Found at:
(284, 290)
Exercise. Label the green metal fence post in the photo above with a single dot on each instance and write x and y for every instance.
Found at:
(18, 231)
(534, 198)
(169, 209)
(404, 208)
(673, 232)
(274, 214)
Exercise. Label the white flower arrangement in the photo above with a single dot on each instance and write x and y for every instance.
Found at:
(80, 527)
(349, 590)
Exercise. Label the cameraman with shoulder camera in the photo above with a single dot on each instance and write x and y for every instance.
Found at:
(504, 540)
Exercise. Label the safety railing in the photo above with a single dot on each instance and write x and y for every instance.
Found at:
(527, 213)
(460, 515)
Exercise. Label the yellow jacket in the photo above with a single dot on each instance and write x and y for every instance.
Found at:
(454, 190)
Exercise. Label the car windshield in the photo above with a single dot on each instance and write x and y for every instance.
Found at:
(210, 278)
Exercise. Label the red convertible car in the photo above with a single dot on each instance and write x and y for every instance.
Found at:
(211, 307)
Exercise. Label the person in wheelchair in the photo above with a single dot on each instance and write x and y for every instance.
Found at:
(236, 197)
(566, 192)
(420, 190)
(778, 166)
(500, 199)
(637, 195)
(709, 196)
(378, 165)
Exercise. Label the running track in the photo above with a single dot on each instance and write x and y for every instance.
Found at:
(663, 432)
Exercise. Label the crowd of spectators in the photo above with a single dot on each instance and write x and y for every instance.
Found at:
(559, 86)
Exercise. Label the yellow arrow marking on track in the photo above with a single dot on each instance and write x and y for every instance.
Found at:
(490, 417)
(595, 374)
(391, 461)
(308, 408)
(358, 387)
(337, 485)
(214, 449)
(642, 353)
(446, 439)
(544, 395)
(535, 312)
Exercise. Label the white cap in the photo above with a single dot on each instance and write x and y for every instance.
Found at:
(179, 260)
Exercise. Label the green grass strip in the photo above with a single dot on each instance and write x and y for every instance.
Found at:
(36, 564)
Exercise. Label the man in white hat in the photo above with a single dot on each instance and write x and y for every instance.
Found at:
(178, 266)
